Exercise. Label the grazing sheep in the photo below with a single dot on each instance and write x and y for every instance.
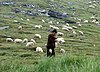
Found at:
(77, 22)
(29, 44)
(37, 36)
(25, 40)
(79, 25)
(93, 21)
(50, 22)
(90, 2)
(16, 21)
(86, 21)
(32, 40)
(62, 51)
(91, 6)
(96, 22)
(18, 41)
(57, 22)
(74, 27)
(39, 49)
(43, 20)
(38, 26)
(60, 33)
(9, 39)
(54, 27)
(65, 29)
(20, 28)
(60, 40)
(22, 19)
(80, 32)
(28, 19)
(74, 32)
(92, 17)
(67, 24)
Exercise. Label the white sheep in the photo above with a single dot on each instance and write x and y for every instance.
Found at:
(60, 40)
(91, 6)
(38, 26)
(79, 25)
(39, 49)
(74, 32)
(9, 39)
(57, 22)
(18, 41)
(29, 44)
(50, 22)
(60, 33)
(37, 36)
(80, 32)
(25, 40)
(28, 19)
(50, 50)
(74, 27)
(22, 19)
(92, 17)
(67, 24)
(93, 21)
(54, 27)
(86, 21)
(62, 51)
(43, 20)
(20, 28)
(96, 22)
(15, 21)
(66, 29)
(32, 40)
(77, 22)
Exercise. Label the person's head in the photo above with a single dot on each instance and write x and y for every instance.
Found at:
(54, 31)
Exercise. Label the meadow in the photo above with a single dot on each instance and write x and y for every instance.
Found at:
(82, 51)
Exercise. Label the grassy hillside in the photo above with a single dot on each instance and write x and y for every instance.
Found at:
(82, 51)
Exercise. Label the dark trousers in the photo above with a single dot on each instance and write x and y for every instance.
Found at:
(50, 54)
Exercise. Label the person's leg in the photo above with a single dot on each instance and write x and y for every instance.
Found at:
(53, 52)
(48, 53)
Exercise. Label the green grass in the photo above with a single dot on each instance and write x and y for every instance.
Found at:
(81, 54)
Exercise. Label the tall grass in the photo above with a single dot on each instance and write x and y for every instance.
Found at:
(66, 63)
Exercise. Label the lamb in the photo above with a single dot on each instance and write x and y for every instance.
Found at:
(39, 49)
(29, 44)
(25, 40)
(62, 51)
(32, 40)
(9, 39)
(18, 41)
(79, 25)
(20, 28)
(38, 26)
(37, 36)
(60, 33)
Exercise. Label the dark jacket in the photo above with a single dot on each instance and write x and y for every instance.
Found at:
(51, 41)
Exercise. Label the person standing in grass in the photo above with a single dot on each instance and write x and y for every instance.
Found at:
(51, 43)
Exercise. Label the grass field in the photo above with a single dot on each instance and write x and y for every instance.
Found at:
(82, 51)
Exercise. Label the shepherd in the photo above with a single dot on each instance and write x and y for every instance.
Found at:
(51, 43)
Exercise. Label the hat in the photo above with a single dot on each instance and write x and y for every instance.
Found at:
(54, 30)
